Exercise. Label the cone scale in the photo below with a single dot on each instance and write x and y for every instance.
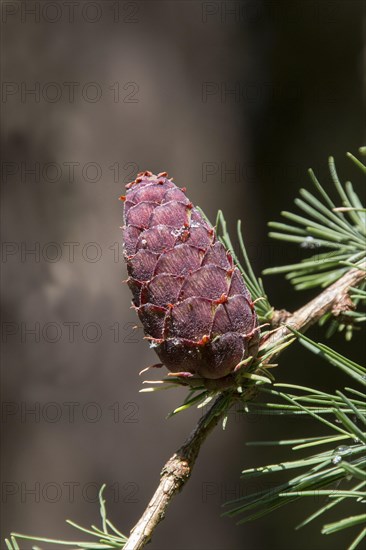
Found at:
(190, 297)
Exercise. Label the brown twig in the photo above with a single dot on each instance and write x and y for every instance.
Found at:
(174, 476)
(329, 300)
(178, 469)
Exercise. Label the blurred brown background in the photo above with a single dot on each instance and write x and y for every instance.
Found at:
(235, 99)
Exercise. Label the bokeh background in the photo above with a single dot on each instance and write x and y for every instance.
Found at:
(235, 99)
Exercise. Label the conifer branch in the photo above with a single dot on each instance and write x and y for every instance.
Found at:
(332, 299)
(178, 469)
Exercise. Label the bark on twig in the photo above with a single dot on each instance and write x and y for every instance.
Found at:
(174, 476)
(332, 297)
(178, 469)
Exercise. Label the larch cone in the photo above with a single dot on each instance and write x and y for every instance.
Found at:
(190, 297)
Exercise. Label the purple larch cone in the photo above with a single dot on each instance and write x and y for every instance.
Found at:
(191, 299)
